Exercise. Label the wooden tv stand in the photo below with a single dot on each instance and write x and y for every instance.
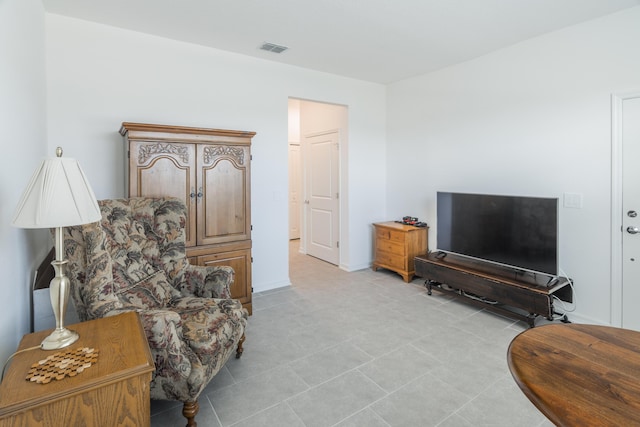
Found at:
(516, 294)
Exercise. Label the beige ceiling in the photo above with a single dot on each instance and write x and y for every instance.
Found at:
(374, 40)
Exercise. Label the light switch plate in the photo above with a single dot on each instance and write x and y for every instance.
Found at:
(573, 200)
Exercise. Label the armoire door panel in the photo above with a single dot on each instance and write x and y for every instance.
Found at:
(165, 169)
(176, 179)
(224, 221)
(224, 180)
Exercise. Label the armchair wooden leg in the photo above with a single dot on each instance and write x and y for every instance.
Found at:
(240, 349)
(190, 410)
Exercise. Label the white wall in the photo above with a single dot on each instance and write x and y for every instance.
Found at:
(532, 119)
(100, 76)
(22, 121)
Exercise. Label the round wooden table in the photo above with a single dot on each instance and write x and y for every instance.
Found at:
(580, 375)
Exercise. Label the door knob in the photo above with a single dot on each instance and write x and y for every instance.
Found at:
(633, 230)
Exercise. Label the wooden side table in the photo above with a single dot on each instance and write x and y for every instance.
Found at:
(114, 391)
(580, 375)
(396, 245)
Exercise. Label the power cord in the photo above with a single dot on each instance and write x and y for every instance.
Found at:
(4, 367)
(563, 304)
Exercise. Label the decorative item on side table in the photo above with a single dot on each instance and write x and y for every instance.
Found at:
(58, 196)
(412, 220)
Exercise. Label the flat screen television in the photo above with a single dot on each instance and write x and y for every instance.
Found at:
(513, 231)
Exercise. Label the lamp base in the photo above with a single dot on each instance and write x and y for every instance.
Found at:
(59, 338)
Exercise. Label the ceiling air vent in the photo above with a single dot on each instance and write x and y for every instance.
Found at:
(275, 48)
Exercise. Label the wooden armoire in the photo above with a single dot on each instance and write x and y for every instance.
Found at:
(210, 169)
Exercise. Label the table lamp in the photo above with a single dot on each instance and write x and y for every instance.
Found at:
(58, 196)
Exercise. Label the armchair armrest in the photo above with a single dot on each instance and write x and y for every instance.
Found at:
(206, 282)
(161, 326)
(163, 329)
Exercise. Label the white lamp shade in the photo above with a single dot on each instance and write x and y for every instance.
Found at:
(58, 195)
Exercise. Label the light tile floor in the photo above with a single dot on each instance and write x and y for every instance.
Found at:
(363, 349)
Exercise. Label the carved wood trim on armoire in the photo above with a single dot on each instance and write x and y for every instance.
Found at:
(210, 169)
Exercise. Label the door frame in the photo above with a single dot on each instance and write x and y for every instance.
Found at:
(617, 102)
(295, 182)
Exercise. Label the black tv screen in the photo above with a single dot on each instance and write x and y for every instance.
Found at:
(519, 232)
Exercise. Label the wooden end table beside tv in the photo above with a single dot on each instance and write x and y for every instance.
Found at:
(114, 391)
(396, 246)
(580, 375)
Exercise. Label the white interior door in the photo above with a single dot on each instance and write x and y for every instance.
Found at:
(630, 131)
(321, 195)
(294, 191)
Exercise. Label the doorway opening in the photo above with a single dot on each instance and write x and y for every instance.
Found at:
(318, 138)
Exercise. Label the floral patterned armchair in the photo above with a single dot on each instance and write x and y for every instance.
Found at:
(134, 260)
